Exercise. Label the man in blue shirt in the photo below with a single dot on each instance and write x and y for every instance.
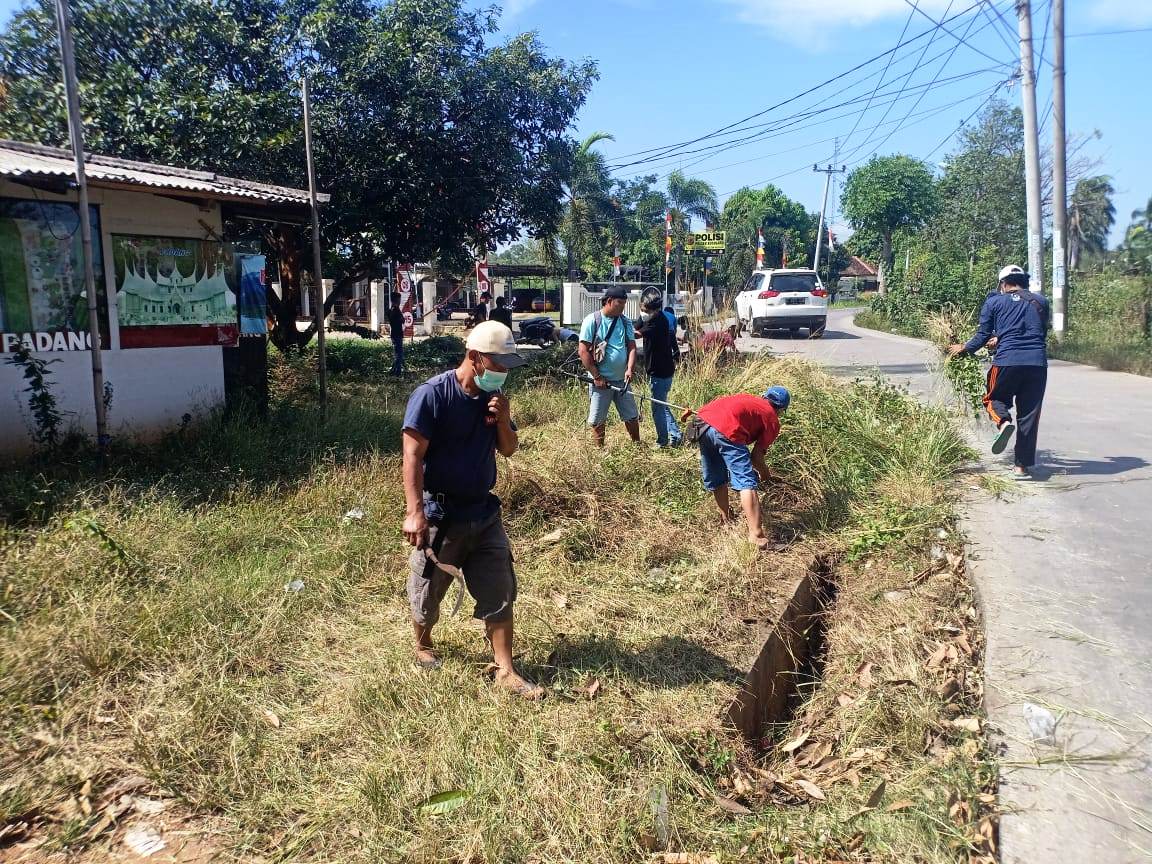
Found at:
(453, 427)
(608, 352)
(1018, 319)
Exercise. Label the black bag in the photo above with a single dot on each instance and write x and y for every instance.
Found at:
(694, 430)
(536, 328)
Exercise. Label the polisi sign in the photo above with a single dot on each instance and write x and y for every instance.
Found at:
(705, 241)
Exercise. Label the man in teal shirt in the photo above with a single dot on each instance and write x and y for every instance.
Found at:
(608, 352)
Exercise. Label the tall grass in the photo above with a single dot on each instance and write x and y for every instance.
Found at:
(152, 625)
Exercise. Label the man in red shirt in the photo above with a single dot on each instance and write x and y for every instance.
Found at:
(722, 342)
(731, 423)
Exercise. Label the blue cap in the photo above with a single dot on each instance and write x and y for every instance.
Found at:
(778, 396)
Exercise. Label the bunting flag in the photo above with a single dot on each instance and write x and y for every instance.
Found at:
(759, 248)
(483, 283)
(831, 241)
(668, 242)
(615, 263)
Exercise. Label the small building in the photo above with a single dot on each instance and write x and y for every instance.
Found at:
(859, 276)
(179, 307)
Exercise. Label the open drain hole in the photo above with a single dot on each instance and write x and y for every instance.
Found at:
(790, 663)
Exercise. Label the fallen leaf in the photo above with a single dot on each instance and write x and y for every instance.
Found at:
(690, 858)
(270, 718)
(794, 743)
(553, 536)
(965, 646)
(864, 674)
(899, 805)
(968, 724)
(732, 806)
(845, 700)
(815, 754)
(810, 789)
(937, 657)
(853, 777)
(561, 600)
(443, 802)
(877, 795)
(591, 689)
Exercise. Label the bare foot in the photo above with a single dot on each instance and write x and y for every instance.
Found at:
(510, 680)
(426, 658)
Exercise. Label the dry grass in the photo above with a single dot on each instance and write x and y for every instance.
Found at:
(148, 632)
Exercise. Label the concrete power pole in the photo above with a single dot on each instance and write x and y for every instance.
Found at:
(1059, 175)
(828, 171)
(1031, 147)
(76, 135)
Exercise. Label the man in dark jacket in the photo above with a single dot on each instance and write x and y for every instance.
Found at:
(1019, 320)
(501, 313)
(660, 354)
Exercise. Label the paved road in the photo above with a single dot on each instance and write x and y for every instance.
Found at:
(1064, 569)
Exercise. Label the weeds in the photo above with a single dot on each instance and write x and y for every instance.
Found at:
(148, 632)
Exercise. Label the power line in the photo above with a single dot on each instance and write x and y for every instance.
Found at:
(940, 24)
(964, 122)
(1108, 33)
(784, 124)
(984, 8)
(907, 79)
(921, 97)
(666, 149)
(887, 66)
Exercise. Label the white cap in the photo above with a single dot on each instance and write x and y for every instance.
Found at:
(1010, 270)
(495, 340)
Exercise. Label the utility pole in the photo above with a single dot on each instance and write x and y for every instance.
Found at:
(76, 135)
(1059, 175)
(827, 171)
(1031, 148)
(316, 277)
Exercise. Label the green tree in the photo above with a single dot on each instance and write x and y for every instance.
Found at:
(590, 212)
(1136, 253)
(433, 142)
(689, 198)
(886, 194)
(1091, 216)
(982, 191)
(785, 223)
(641, 231)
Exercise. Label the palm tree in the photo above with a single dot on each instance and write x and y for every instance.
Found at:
(1091, 215)
(1137, 248)
(589, 207)
(690, 199)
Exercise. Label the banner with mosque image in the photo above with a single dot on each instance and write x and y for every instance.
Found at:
(173, 292)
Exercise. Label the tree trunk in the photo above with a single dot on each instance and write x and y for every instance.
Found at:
(882, 279)
(286, 309)
(886, 249)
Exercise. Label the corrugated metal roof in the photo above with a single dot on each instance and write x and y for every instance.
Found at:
(18, 159)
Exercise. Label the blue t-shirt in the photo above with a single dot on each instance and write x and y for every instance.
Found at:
(615, 361)
(461, 458)
(1019, 319)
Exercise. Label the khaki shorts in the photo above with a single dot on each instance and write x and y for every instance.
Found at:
(482, 551)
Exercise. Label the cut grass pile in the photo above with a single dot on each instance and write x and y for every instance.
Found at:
(213, 623)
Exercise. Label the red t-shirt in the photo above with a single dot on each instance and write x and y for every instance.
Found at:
(743, 419)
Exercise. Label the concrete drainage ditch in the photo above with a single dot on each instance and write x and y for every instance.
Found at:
(787, 657)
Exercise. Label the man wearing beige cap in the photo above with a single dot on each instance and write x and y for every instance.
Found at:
(453, 427)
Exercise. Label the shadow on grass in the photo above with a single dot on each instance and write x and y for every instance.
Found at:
(201, 463)
(667, 661)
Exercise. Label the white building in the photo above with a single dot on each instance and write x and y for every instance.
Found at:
(174, 298)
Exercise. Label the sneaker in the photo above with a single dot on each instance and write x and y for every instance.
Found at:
(1000, 442)
(1022, 476)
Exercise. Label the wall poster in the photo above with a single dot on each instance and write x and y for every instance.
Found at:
(173, 292)
(42, 299)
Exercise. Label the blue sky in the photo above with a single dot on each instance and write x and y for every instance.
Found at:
(673, 71)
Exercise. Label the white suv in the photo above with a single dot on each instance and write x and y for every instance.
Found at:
(783, 300)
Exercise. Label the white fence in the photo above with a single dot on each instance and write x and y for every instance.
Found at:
(579, 301)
